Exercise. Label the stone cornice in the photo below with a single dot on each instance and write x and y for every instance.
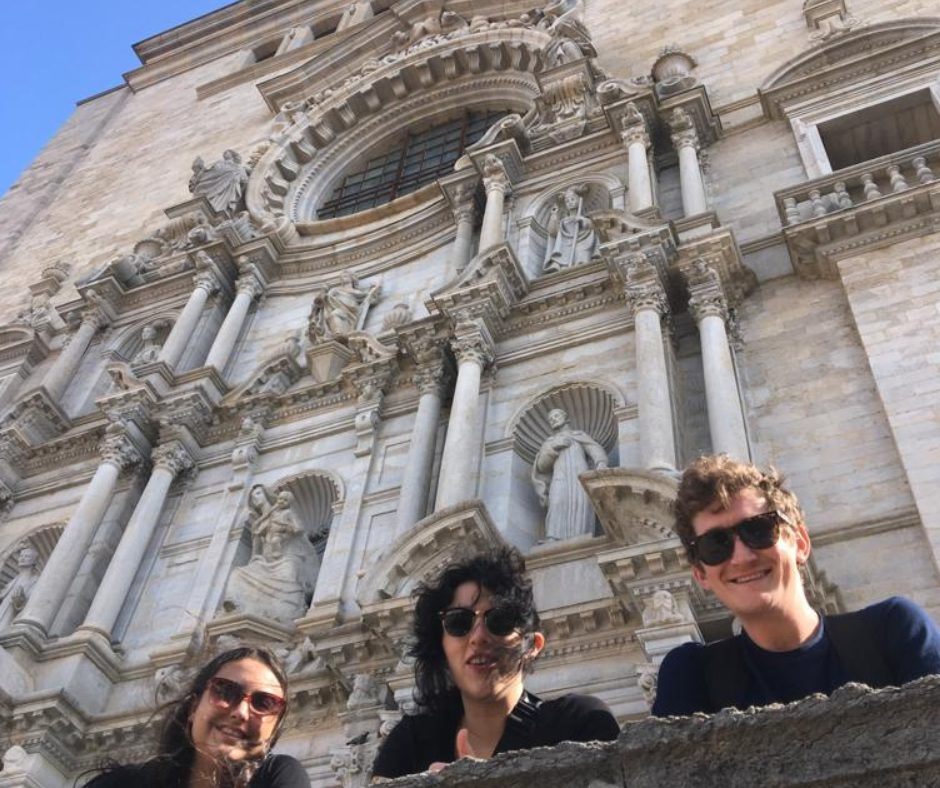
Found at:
(823, 72)
(868, 206)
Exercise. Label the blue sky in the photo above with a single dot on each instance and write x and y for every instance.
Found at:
(54, 53)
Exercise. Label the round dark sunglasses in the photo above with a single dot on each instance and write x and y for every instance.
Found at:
(499, 621)
(226, 694)
(758, 532)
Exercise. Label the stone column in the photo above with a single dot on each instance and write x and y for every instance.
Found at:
(654, 402)
(46, 598)
(59, 376)
(182, 332)
(686, 142)
(247, 289)
(637, 140)
(465, 213)
(460, 465)
(725, 416)
(496, 184)
(416, 479)
(168, 460)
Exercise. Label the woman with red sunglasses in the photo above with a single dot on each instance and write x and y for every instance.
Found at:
(475, 637)
(221, 731)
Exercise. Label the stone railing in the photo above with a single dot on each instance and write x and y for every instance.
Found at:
(857, 738)
(874, 203)
(859, 184)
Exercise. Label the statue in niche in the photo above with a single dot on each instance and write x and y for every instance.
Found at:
(150, 351)
(341, 309)
(278, 580)
(572, 238)
(14, 594)
(661, 608)
(354, 14)
(222, 184)
(562, 458)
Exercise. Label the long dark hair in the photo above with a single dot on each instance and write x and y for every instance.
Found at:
(501, 571)
(176, 754)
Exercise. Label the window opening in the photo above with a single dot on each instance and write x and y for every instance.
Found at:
(419, 159)
(886, 128)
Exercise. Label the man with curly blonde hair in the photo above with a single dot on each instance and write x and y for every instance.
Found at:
(747, 543)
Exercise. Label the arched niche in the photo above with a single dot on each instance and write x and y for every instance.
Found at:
(132, 341)
(590, 407)
(600, 195)
(42, 540)
(318, 496)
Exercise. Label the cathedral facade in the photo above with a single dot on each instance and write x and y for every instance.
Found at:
(326, 294)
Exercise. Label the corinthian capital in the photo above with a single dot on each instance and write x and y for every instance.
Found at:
(708, 304)
(472, 342)
(633, 127)
(172, 457)
(207, 280)
(647, 295)
(683, 130)
(96, 312)
(117, 448)
(431, 377)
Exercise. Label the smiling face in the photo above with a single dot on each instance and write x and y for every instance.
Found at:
(234, 733)
(486, 668)
(754, 583)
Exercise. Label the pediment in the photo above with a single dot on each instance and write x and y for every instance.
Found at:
(271, 378)
(854, 59)
(425, 548)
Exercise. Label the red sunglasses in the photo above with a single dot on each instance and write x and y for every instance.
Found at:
(227, 694)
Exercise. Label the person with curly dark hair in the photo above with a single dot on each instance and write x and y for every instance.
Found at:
(475, 637)
(220, 732)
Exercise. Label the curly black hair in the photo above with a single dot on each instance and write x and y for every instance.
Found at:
(501, 571)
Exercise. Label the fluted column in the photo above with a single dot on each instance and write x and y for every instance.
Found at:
(168, 460)
(460, 465)
(496, 184)
(637, 139)
(725, 415)
(59, 376)
(654, 403)
(416, 479)
(247, 289)
(182, 332)
(686, 142)
(117, 452)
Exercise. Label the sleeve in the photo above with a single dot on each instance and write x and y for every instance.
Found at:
(281, 771)
(396, 756)
(681, 688)
(912, 640)
(577, 718)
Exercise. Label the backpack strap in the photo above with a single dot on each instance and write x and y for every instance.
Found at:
(860, 649)
(726, 675)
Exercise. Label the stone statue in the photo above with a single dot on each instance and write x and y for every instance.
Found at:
(365, 692)
(562, 458)
(150, 351)
(15, 593)
(573, 239)
(661, 608)
(340, 309)
(278, 579)
(222, 184)
(646, 677)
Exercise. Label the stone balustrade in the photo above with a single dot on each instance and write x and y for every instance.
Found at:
(859, 184)
(857, 738)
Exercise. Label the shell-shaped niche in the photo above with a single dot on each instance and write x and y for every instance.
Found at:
(42, 540)
(315, 499)
(590, 408)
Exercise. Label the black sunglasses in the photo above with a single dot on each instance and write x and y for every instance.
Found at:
(226, 694)
(758, 532)
(499, 621)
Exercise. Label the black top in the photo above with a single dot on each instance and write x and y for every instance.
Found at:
(420, 740)
(277, 771)
(906, 638)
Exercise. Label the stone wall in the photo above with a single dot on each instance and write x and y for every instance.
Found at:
(858, 738)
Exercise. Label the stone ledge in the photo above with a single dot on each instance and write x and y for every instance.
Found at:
(858, 737)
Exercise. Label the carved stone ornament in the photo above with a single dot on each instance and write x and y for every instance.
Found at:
(672, 72)
(572, 237)
(340, 309)
(15, 592)
(399, 315)
(117, 448)
(472, 342)
(172, 457)
(222, 184)
(661, 608)
(365, 692)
